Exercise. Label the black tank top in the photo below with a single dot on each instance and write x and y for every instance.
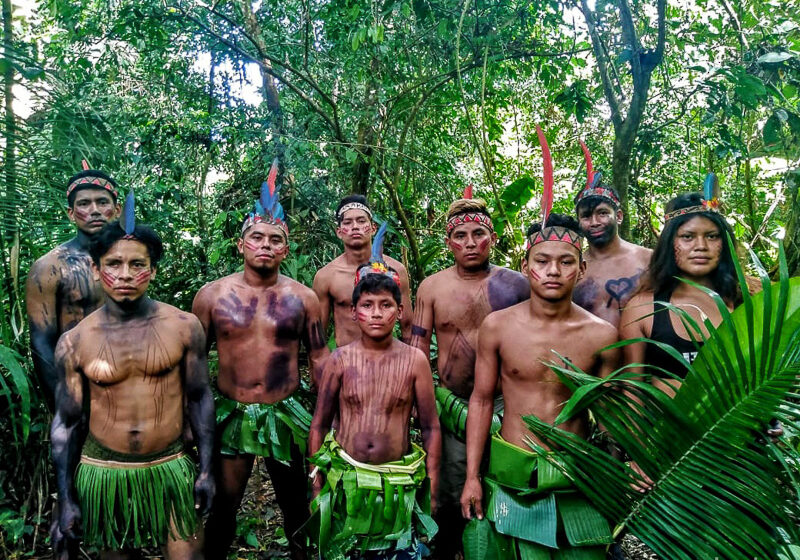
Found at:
(663, 331)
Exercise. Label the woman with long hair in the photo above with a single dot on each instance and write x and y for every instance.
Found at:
(692, 246)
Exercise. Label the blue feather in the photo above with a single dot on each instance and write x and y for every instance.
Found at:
(277, 211)
(598, 176)
(259, 209)
(266, 199)
(708, 186)
(377, 243)
(128, 218)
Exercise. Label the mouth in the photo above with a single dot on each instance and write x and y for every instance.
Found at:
(125, 289)
(553, 285)
(597, 233)
(700, 260)
(97, 223)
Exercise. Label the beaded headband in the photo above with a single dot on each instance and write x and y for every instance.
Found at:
(353, 206)
(376, 264)
(710, 202)
(468, 217)
(267, 209)
(92, 182)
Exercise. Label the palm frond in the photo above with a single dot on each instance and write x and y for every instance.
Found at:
(719, 489)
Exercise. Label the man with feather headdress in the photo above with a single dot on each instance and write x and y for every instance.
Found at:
(125, 480)
(258, 319)
(534, 510)
(454, 302)
(614, 266)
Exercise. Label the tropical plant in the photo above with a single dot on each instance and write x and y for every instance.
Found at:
(720, 489)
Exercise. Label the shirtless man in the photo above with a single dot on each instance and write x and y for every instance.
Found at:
(333, 283)
(614, 266)
(61, 290)
(258, 319)
(454, 302)
(130, 366)
(516, 343)
(374, 476)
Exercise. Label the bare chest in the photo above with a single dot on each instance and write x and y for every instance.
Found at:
(525, 357)
(239, 315)
(136, 353)
(383, 385)
(78, 293)
(462, 308)
(607, 285)
(341, 287)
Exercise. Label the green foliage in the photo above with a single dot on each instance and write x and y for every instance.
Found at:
(719, 490)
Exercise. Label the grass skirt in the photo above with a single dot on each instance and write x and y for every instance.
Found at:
(366, 507)
(131, 501)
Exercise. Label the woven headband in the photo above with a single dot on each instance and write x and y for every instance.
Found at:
(253, 219)
(469, 218)
(353, 206)
(602, 192)
(93, 182)
(709, 203)
(556, 233)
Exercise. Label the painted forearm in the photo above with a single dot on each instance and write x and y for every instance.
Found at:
(432, 441)
(66, 436)
(43, 344)
(201, 417)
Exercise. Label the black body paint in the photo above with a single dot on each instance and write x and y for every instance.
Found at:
(507, 288)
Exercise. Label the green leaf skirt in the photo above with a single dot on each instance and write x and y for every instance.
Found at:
(365, 507)
(533, 512)
(266, 430)
(453, 413)
(135, 501)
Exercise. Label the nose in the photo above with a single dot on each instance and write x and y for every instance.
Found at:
(701, 243)
(471, 242)
(553, 269)
(125, 272)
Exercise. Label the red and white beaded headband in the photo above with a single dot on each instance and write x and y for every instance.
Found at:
(92, 182)
(353, 206)
(468, 217)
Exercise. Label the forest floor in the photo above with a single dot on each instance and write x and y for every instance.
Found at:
(260, 530)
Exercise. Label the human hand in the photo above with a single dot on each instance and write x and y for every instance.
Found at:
(204, 491)
(645, 484)
(775, 430)
(69, 522)
(471, 498)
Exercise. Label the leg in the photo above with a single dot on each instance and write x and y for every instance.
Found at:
(232, 476)
(451, 482)
(121, 555)
(190, 549)
(291, 491)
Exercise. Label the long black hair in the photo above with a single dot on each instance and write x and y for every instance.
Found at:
(663, 271)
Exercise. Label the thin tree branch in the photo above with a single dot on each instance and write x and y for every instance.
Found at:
(602, 65)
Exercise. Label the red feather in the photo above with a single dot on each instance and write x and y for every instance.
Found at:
(467, 192)
(273, 174)
(85, 165)
(547, 165)
(589, 169)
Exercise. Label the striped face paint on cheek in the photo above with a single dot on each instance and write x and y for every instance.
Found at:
(483, 244)
(81, 215)
(455, 245)
(252, 245)
(142, 277)
(363, 316)
(107, 278)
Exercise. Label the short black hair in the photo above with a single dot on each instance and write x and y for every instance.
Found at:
(374, 284)
(90, 173)
(349, 199)
(112, 232)
(591, 202)
(663, 271)
(559, 220)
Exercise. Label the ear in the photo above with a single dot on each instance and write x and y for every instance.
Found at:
(153, 270)
(95, 272)
(70, 215)
(399, 311)
(374, 229)
(339, 231)
(240, 246)
(117, 210)
(494, 238)
(353, 312)
(581, 269)
(447, 243)
(619, 217)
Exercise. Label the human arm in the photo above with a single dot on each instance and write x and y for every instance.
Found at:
(40, 300)
(422, 326)
(322, 289)
(479, 415)
(201, 307)
(327, 401)
(408, 309)
(67, 433)
(633, 324)
(200, 404)
(425, 401)
(314, 339)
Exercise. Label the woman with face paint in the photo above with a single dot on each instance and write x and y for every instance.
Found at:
(692, 246)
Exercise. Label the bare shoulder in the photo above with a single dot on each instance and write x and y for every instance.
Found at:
(430, 284)
(498, 320)
(640, 254)
(395, 264)
(602, 331)
(212, 289)
(329, 269)
(302, 291)
(415, 353)
(48, 264)
(640, 304)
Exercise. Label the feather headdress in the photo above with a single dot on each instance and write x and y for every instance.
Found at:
(710, 203)
(376, 264)
(594, 182)
(550, 233)
(267, 208)
(127, 221)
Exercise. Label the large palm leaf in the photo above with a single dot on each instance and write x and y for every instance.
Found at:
(719, 488)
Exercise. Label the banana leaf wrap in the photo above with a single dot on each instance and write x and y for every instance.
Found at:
(267, 430)
(533, 512)
(365, 507)
(130, 501)
(453, 413)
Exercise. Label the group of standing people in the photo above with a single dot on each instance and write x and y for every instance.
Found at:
(142, 445)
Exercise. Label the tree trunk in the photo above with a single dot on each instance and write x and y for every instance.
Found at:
(8, 226)
(366, 134)
(791, 240)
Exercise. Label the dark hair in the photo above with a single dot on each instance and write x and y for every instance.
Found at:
(591, 202)
(112, 232)
(374, 284)
(90, 173)
(359, 198)
(663, 270)
(561, 220)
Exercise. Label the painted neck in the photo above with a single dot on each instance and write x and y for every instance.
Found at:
(370, 343)
(260, 278)
(126, 310)
(610, 248)
(474, 273)
(83, 239)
